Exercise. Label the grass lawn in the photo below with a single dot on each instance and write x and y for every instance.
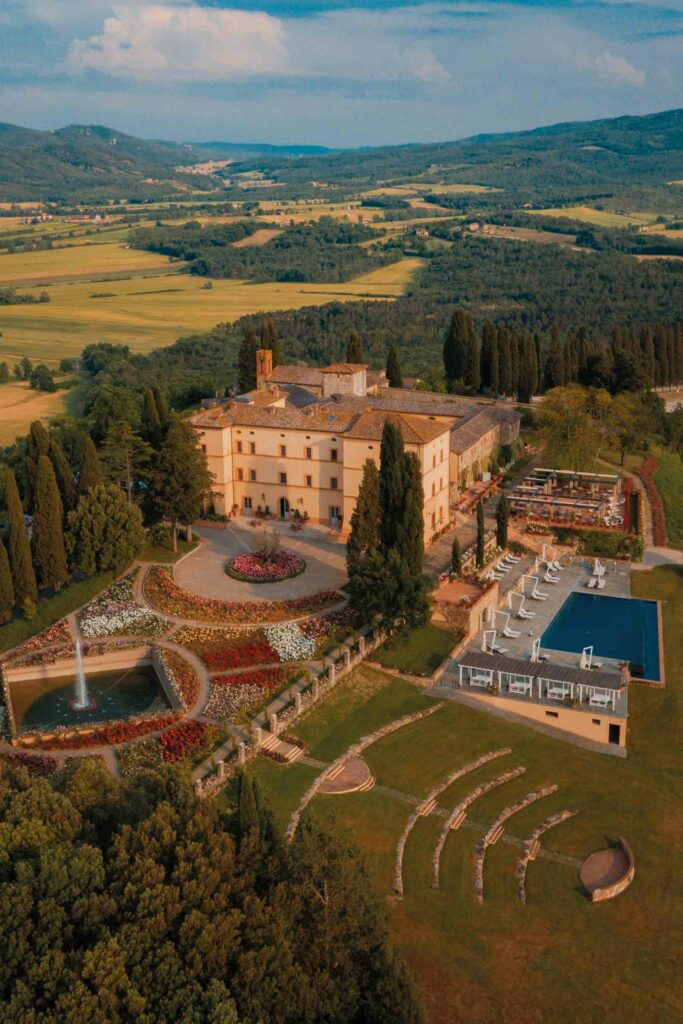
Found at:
(52, 609)
(559, 958)
(669, 481)
(602, 218)
(418, 651)
(164, 552)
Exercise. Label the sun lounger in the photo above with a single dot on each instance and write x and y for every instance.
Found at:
(551, 579)
(539, 596)
(511, 634)
(497, 649)
(524, 614)
(602, 583)
(592, 583)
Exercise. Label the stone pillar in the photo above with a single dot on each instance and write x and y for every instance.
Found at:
(361, 646)
(297, 703)
(272, 721)
(241, 753)
(347, 659)
(315, 687)
(222, 773)
(256, 735)
(331, 673)
(198, 788)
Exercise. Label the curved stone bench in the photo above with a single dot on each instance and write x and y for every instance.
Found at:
(457, 815)
(333, 769)
(532, 847)
(495, 832)
(427, 806)
(607, 873)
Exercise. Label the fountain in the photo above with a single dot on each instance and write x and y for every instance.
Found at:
(83, 701)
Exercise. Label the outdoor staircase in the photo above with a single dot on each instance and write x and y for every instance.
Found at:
(289, 752)
(367, 785)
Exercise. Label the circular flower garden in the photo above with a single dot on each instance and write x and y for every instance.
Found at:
(257, 567)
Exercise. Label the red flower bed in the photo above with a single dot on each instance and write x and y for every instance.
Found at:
(646, 471)
(184, 676)
(183, 739)
(253, 567)
(109, 735)
(265, 678)
(255, 652)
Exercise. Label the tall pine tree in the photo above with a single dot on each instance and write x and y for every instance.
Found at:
(37, 444)
(150, 424)
(391, 484)
(457, 347)
(48, 536)
(63, 475)
(553, 373)
(23, 576)
(411, 535)
(181, 482)
(502, 518)
(91, 471)
(246, 362)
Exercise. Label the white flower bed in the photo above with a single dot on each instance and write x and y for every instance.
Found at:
(131, 621)
(226, 701)
(290, 643)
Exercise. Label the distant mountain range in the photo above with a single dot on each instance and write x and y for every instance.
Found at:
(88, 162)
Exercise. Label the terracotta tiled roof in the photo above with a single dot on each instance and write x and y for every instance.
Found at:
(307, 376)
(414, 429)
(344, 368)
(463, 436)
(263, 397)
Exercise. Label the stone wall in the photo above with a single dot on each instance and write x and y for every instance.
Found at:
(610, 891)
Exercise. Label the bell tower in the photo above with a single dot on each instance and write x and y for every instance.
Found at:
(264, 365)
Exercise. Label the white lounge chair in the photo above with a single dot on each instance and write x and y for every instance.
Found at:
(602, 583)
(555, 566)
(513, 558)
(592, 583)
(550, 579)
(538, 596)
(524, 614)
(497, 649)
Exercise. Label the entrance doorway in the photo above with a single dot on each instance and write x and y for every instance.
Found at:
(614, 732)
(284, 508)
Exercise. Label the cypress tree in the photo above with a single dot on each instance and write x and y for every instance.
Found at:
(514, 363)
(411, 545)
(502, 517)
(246, 362)
(391, 485)
(270, 339)
(37, 444)
(505, 361)
(456, 558)
(472, 374)
(553, 374)
(528, 371)
(91, 471)
(394, 375)
(64, 476)
(354, 348)
(490, 376)
(6, 585)
(23, 576)
(163, 411)
(48, 537)
(181, 481)
(456, 346)
(150, 424)
(481, 529)
(247, 811)
(364, 535)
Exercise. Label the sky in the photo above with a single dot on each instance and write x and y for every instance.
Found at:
(335, 72)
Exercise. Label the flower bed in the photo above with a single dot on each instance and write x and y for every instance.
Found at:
(646, 471)
(182, 676)
(58, 633)
(163, 592)
(35, 764)
(289, 641)
(182, 740)
(233, 694)
(254, 567)
(252, 652)
(107, 735)
(114, 613)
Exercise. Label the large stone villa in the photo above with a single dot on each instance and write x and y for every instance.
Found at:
(300, 440)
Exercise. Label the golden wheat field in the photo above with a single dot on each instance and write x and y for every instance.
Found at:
(81, 260)
(19, 406)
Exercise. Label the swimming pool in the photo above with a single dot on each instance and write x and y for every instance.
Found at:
(616, 627)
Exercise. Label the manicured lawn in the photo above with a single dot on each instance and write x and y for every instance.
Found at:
(418, 651)
(669, 481)
(52, 609)
(164, 552)
(558, 958)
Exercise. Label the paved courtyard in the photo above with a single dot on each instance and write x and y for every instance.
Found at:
(202, 571)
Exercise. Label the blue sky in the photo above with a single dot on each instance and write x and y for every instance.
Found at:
(332, 72)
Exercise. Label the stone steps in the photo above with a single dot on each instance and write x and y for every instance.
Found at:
(288, 751)
(367, 785)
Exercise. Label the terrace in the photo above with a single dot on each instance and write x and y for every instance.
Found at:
(566, 498)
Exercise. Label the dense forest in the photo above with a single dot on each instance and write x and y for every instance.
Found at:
(324, 250)
(132, 901)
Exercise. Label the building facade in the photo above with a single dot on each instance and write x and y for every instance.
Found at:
(300, 441)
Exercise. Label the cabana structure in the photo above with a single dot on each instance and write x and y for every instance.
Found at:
(566, 497)
(589, 703)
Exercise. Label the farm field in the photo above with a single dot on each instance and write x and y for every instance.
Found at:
(529, 235)
(20, 406)
(558, 958)
(601, 218)
(147, 312)
(76, 261)
(406, 189)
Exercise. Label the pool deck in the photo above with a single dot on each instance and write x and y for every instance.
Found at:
(574, 577)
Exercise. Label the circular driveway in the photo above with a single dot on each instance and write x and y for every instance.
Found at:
(202, 571)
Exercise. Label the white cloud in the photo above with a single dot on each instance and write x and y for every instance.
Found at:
(424, 66)
(618, 68)
(183, 43)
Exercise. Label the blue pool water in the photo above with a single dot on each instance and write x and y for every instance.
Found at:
(616, 627)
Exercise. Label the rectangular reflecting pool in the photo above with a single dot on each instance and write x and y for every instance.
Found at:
(45, 704)
(621, 628)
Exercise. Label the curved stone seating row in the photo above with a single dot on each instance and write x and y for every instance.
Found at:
(532, 847)
(427, 806)
(354, 751)
(457, 815)
(495, 832)
(607, 873)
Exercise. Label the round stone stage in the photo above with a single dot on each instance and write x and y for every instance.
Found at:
(603, 869)
(353, 776)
